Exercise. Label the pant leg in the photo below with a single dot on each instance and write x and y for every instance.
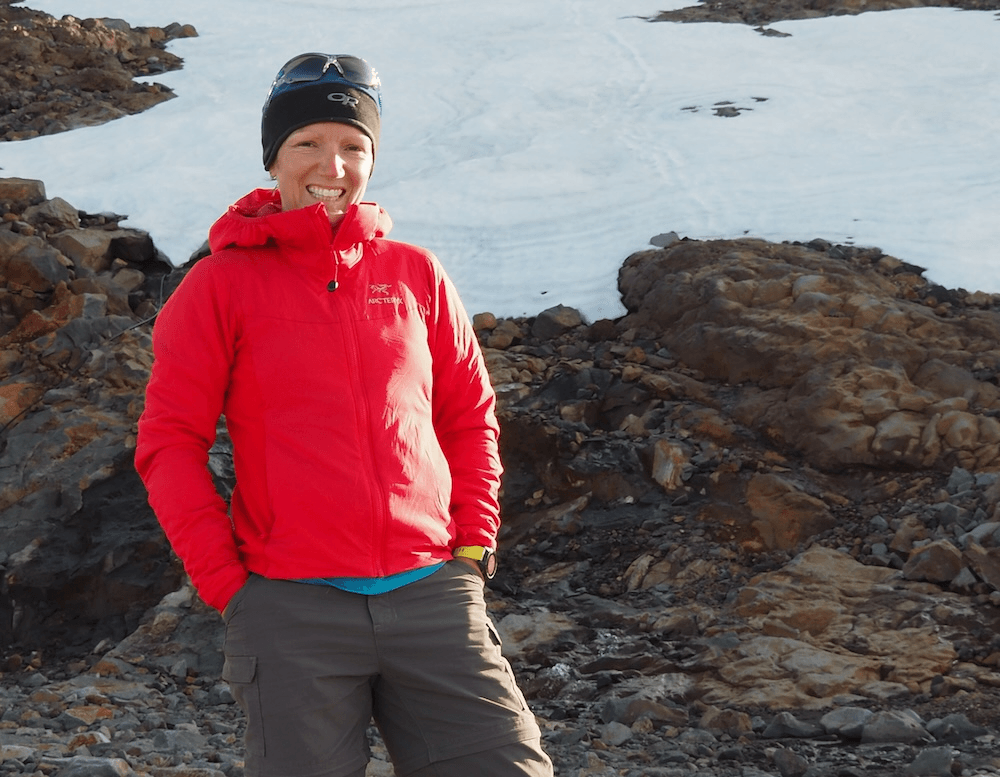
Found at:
(519, 759)
(299, 660)
(445, 691)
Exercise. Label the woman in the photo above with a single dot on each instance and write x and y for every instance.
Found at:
(350, 565)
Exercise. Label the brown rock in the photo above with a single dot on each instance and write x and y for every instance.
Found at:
(938, 562)
(21, 191)
(783, 516)
(555, 321)
(73, 73)
(985, 562)
(842, 355)
(669, 459)
(88, 249)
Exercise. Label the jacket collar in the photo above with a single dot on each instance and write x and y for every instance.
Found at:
(303, 235)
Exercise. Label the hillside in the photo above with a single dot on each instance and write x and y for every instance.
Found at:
(750, 528)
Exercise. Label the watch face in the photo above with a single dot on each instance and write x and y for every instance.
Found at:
(491, 564)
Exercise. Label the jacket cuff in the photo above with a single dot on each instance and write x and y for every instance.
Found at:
(218, 595)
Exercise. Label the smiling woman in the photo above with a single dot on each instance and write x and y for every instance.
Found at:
(350, 566)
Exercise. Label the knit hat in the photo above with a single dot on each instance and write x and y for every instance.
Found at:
(319, 87)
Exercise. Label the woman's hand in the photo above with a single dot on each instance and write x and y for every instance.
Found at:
(472, 565)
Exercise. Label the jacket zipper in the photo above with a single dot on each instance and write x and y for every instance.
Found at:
(365, 420)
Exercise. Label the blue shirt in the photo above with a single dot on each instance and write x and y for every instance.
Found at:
(374, 585)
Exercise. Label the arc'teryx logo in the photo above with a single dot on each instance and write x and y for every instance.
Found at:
(381, 295)
(343, 99)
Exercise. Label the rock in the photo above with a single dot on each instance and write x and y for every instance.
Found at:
(634, 708)
(664, 239)
(522, 632)
(783, 516)
(730, 722)
(31, 265)
(938, 562)
(954, 728)
(614, 734)
(87, 249)
(555, 321)
(848, 407)
(932, 762)
(69, 400)
(785, 724)
(847, 722)
(504, 334)
(669, 461)
(21, 190)
(894, 726)
(484, 321)
(985, 562)
(83, 766)
(790, 764)
(55, 212)
(74, 73)
(760, 12)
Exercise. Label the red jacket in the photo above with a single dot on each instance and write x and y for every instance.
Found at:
(362, 419)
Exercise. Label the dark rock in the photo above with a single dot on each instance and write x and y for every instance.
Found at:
(553, 322)
(60, 74)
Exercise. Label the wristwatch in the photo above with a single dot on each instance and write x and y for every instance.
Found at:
(484, 557)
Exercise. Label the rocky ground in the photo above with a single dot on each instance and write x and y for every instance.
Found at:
(759, 13)
(61, 74)
(751, 528)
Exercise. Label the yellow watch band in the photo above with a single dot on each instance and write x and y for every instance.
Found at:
(475, 552)
(484, 557)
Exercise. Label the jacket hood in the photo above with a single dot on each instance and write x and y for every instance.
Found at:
(257, 219)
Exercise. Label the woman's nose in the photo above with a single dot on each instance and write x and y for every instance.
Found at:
(335, 164)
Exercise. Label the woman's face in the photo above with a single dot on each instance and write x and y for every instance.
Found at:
(326, 162)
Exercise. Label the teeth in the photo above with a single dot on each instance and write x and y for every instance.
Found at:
(318, 191)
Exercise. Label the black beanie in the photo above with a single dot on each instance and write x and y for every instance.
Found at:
(306, 103)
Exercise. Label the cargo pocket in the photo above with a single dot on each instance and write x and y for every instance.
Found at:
(516, 698)
(241, 674)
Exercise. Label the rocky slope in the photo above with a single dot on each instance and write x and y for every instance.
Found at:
(60, 74)
(763, 12)
(751, 528)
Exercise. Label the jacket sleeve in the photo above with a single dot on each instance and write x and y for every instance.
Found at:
(193, 346)
(464, 406)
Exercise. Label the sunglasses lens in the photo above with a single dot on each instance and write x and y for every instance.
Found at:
(307, 67)
(357, 70)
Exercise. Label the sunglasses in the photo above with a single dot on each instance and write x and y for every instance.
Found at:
(353, 71)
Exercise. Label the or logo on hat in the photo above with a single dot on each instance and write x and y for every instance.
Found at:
(343, 99)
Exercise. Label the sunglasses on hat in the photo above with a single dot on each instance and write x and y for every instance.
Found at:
(340, 68)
